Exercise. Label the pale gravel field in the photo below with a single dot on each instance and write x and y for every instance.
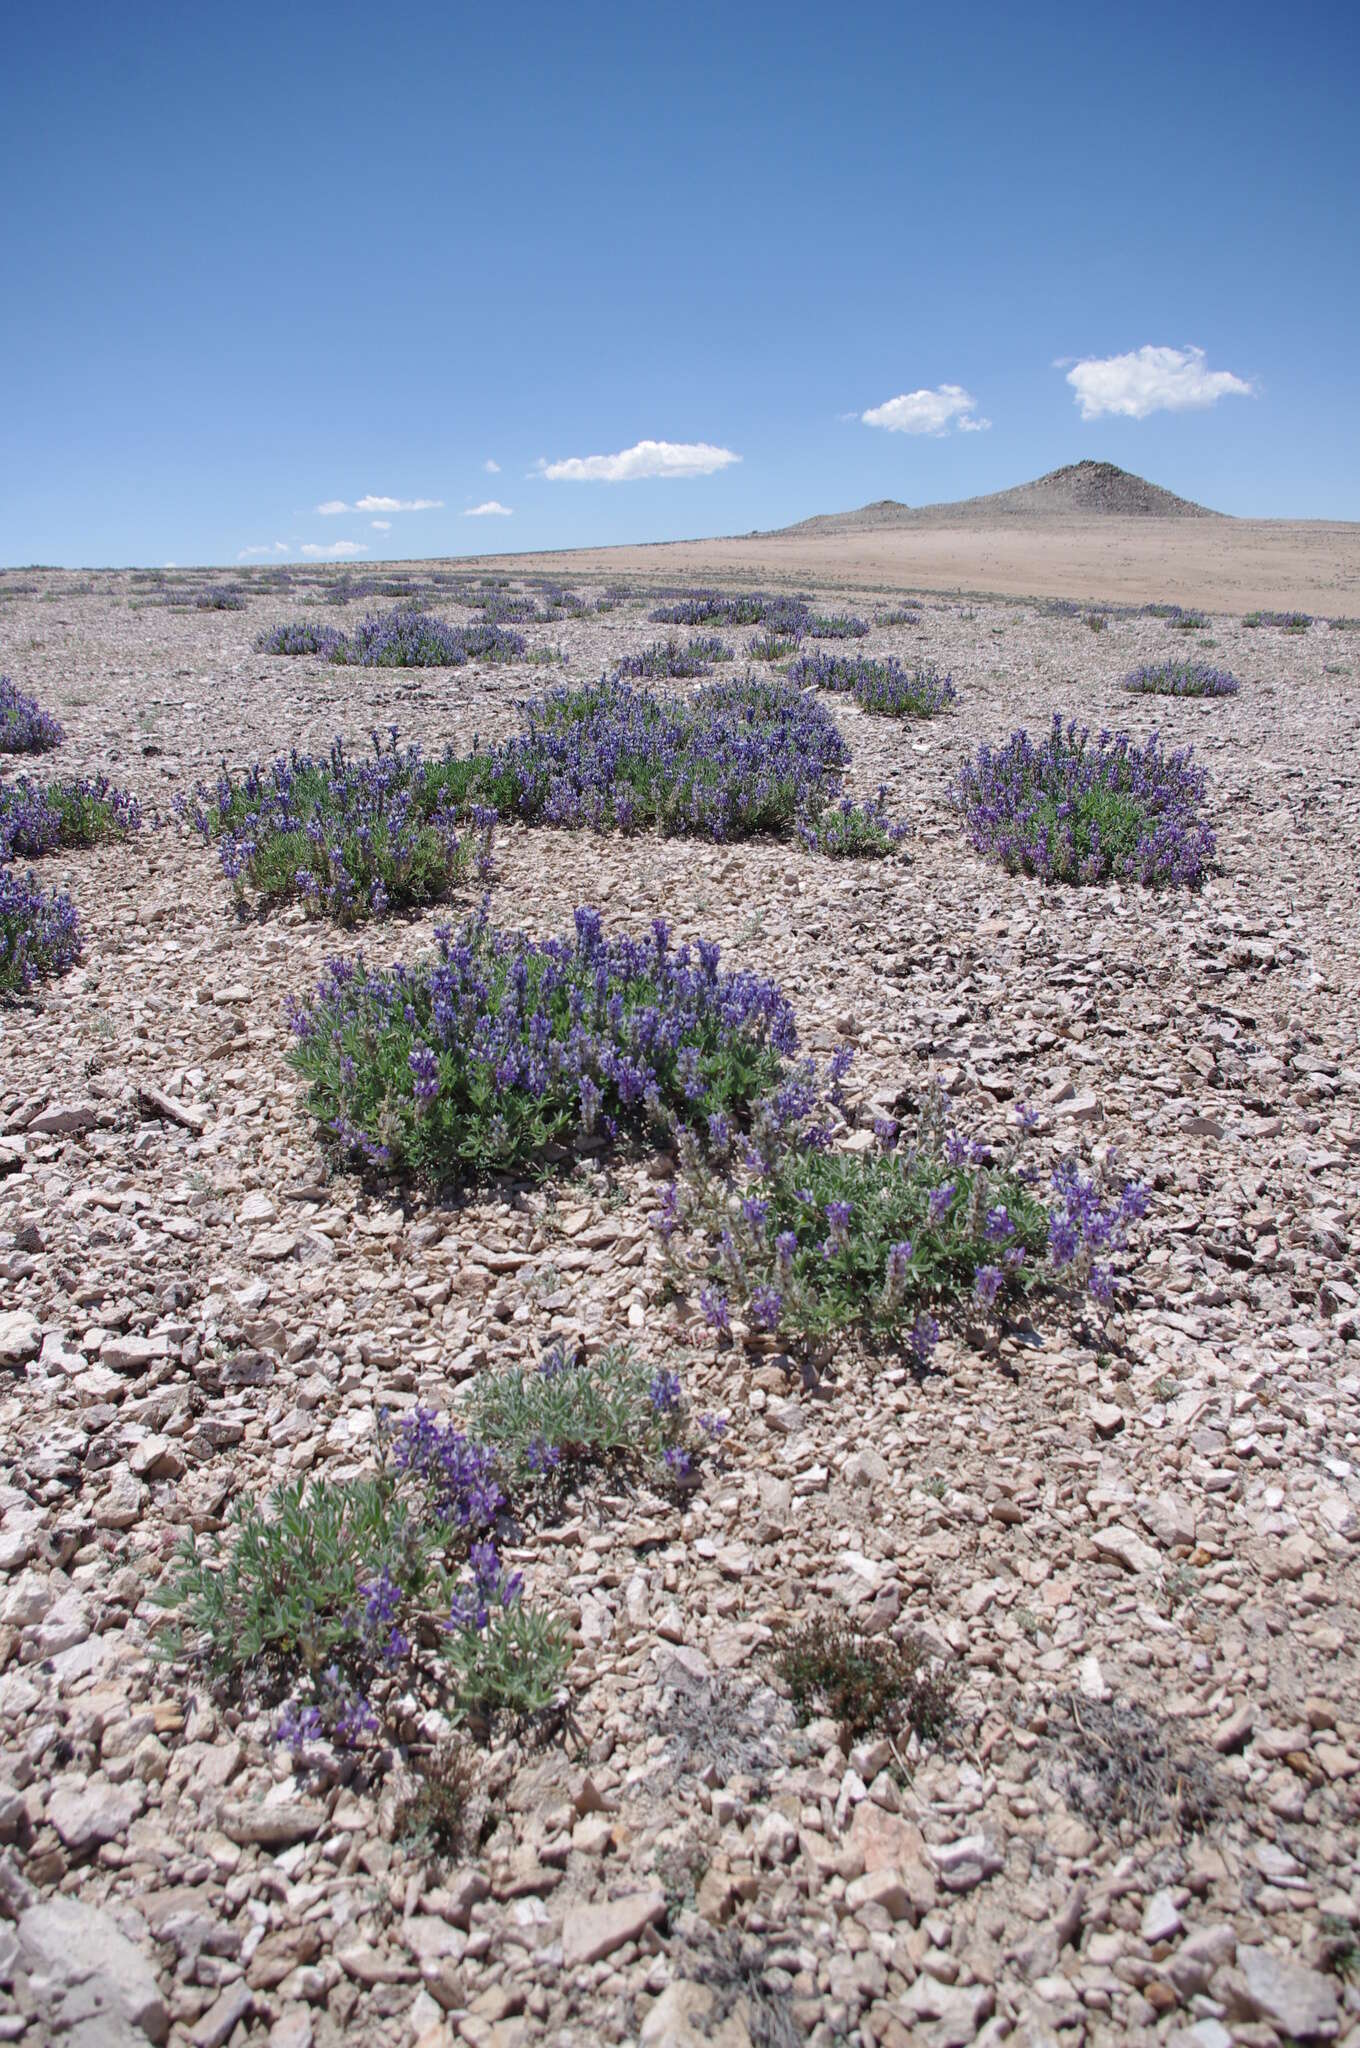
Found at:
(1172, 1525)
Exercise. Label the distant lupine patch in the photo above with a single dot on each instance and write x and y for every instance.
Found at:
(219, 601)
(785, 615)
(300, 637)
(805, 1241)
(501, 1053)
(39, 936)
(510, 608)
(24, 727)
(1189, 622)
(1182, 679)
(37, 819)
(908, 615)
(836, 626)
(1287, 622)
(1150, 611)
(1069, 810)
(669, 658)
(877, 685)
(350, 839)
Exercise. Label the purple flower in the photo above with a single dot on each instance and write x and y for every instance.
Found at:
(925, 1335)
(941, 1200)
(767, 1306)
(987, 1284)
(664, 1392)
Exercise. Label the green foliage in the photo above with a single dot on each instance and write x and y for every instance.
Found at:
(552, 1422)
(513, 1666)
(868, 1684)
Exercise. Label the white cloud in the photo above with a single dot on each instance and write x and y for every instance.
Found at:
(280, 547)
(381, 525)
(334, 506)
(1150, 380)
(645, 458)
(491, 468)
(337, 551)
(489, 510)
(927, 412)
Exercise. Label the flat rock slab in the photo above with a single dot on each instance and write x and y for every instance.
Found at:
(590, 1932)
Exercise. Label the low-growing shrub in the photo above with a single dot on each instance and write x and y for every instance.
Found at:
(1075, 811)
(335, 1599)
(867, 1684)
(1097, 621)
(397, 639)
(741, 756)
(851, 831)
(300, 637)
(219, 601)
(1189, 622)
(883, 686)
(552, 1422)
(908, 615)
(25, 728)
(669, 658)
(352, 839)
(784, 615)
(1182, 679)
(836, 626)
(39, 935)
(770, 646)
(501, 1051)
(1287, 622)
(806, 1241)
(37, 819)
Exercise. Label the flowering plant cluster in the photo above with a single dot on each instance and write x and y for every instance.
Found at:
(222, 599)
(1182, 679)
(669, 658)
(907, 615)
(39, 935)
(397, 639)
(1072, 811)
(851, 831)
(836, 626)
(501, 1051)
(878, 685)
(785, 615)
(352, 839)
(73, 812)
(771, 646)
(1288, 622)
(804, 1240)
(739, 757)
(25, 728)
(1189, 622)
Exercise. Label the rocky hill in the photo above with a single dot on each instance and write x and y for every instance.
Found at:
(1078, 490)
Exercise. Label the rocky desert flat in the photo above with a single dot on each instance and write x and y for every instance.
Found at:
(1132, 1549)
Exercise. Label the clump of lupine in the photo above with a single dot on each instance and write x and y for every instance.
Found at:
(883, 686)
(1073, 810)
(501, 1054)
(907, 615)
(221, 600)
(802, 1240)
(25, 728)
(847, 830)
(770, 646)
(1182, 679)
(300, 637)
(1288, 622)
(509, 608)
(39, 935)
(38, 818)
(338, 1602)
(348, 838)
(740, 756)
(669, 658)
(1189, 622)
(785, 615)
(552, 1422)
(836, 626)
(396, 639)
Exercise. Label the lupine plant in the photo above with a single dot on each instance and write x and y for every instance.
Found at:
(1189, 622)
(883, 686)
(37, 818)
(669, 658)
(501, 1052)
(396, 639)
(1071, 810)
(805, 1241)
(1182, 679)
(25, 728)
(1287, 622)
(785, 615)
(300, 637)
(771, 646)
(908, 615)
(836, 626)
(39, 935)
(221, 600)
(350, 839)
(851, 831)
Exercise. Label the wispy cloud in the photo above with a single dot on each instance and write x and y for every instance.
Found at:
(644, 459)
(490, 510)
(373, 502)
(928, 412)
(491, 468)
(1150, 380)
(381, 525)
(278, 547)
(335, 551)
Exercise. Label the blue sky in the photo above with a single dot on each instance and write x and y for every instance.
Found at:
(261, 260)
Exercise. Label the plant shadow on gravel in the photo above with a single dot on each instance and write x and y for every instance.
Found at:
(733, 1968)
(1129, 1771)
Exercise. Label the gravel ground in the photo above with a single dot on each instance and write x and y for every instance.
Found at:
(1143, 1561)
